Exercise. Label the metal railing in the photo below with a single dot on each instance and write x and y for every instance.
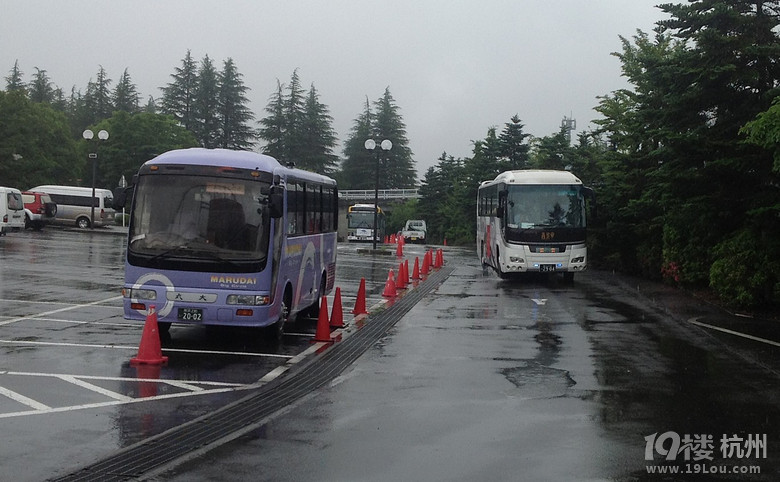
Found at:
(368, 194)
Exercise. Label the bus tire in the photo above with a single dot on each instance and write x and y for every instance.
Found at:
(314, 310)
(275, 332)
(501, 274)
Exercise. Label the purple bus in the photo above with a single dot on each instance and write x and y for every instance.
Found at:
(222, 237)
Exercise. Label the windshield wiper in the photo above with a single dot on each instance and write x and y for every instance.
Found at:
(168, 251)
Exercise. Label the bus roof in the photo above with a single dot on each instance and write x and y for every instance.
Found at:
(534, 176)
(238, 159)
(364, 207)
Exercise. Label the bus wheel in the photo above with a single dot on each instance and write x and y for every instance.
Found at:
(164, 329)
(275, 332)
(313, 311)
(501, 274)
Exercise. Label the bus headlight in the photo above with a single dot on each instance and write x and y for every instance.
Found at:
(516, 259)
(139, 294)
(254, 300)
(578, 259)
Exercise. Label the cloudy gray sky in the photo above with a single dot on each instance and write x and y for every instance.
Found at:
(454, 67)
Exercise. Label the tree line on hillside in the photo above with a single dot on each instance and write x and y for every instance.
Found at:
(201, 106)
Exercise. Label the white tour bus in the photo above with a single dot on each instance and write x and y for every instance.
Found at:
(74, 205)
(532, 221)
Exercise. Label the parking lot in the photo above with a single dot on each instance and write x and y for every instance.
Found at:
(65, 347)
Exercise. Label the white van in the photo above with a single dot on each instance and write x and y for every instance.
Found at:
(74, 205)
(11, 210)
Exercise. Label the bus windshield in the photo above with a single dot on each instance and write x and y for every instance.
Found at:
(545, 206)
(361, 219)
(196, 217)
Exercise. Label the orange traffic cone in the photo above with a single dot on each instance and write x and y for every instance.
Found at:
(416, 270)
(323, 326)
(426, 264)
(399, 249)
(406, 272)
(389, 291)
(360, 302)
(440, 257)
(337, 315)
(437, 259)
(445, 241)
(400, 282)
(150, 351)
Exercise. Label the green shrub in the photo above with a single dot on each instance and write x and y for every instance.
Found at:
(745, 273)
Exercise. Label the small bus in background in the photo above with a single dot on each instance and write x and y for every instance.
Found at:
(74, 205)
(533, 221)
(360, 223)
(223, 237)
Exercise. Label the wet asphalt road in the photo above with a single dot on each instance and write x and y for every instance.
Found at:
(485, 379)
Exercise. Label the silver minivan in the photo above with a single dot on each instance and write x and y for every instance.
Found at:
(74, 205)
(11, 210)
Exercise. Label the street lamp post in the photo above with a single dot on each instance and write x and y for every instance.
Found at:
(386, 146)
(89, 135)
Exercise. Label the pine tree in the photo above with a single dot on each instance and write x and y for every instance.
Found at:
(298, 128)
(234, 115)
(360, 166)
(97, 100)
(179, 95)
(151, 106)
(319, 138)
(206, 106)
(397, 166)
(273, 127)
(294, 105)
(14, 79)
(40, 88)
(126, 95)
(512, 144)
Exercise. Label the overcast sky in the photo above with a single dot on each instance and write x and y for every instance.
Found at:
(455, 68)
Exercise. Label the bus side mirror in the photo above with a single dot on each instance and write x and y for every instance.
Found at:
(500, 212)
(121, 195)
(276, 202)
(590, 196)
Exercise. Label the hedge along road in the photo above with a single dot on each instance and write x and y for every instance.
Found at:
(68, 395)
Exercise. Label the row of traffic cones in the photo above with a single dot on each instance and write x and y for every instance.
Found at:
(394, 283)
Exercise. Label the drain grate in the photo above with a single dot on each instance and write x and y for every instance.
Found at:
(166, 449)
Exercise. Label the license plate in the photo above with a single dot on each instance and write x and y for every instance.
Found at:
(190, 314)
(546, 268)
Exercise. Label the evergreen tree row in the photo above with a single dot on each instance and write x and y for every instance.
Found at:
(213, 106)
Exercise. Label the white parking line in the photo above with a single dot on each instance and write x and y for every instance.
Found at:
(116, 398)
(124, 347)
(732, 332)
(18, 397)
(94, 388)
(46, 313)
